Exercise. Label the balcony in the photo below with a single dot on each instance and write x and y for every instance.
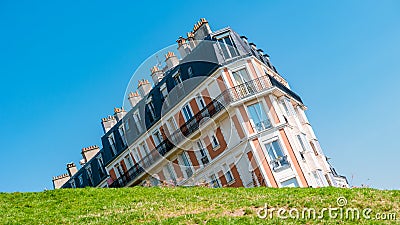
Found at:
(279, 163)
(216, 106)
(262, 125)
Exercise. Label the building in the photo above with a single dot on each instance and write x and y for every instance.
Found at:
(221, 115)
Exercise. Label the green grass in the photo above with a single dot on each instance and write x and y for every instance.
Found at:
(140, 205)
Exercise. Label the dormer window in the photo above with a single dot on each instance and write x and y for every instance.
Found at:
(177, 78)
(111, 140)
(190, 71)
(164, 91)
(227, 46)
(151, 109)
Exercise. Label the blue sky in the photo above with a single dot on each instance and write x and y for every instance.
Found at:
(64, 65)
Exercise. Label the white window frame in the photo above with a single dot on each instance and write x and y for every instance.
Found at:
(128, 161)
(90, 173)
(111, 140)
(227, 170)
(188, 110)
(150, 106)
(137, 120)
(213, 137)
(163, 90)
(126, 124)
(226, 46)
(268, 120)
(200, 101)
(157, 138)
(122, 132)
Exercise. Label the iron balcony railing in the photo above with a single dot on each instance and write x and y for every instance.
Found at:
(279, 163)
(213, 108)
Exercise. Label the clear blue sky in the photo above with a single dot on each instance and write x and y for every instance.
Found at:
(64, 65)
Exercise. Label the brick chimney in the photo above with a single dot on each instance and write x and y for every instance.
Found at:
(119, 113)
(134, 98)
(171, 60)
(108, 123)
(183, 47)
(59, 181)
(156, 74)
(71, 168)
(144, 87)
(201, 29)
(89, 152)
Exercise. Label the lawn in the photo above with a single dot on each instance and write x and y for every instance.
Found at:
(199, 205)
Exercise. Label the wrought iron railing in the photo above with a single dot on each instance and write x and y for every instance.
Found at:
(279, 163)
(213, 108)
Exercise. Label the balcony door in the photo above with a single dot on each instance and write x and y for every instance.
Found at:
(242, 81)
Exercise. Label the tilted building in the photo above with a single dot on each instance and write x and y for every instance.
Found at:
(221, 114)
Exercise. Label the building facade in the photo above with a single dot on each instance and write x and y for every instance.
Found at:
(220, 115)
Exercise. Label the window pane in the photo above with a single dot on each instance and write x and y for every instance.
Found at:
(277, 149)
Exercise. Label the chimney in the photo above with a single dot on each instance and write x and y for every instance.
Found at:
(171, 60)
(89, 152)
(201, 29)
(71, 168)
(156, 74)
(119, 113)
(183, 47)
(59, 181)
(144, 87)
(134, 98)
(108, 123)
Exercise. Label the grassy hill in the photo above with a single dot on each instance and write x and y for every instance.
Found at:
(198, 205)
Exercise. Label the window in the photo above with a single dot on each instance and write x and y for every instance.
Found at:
(157, 137)
(72, 183)
(171, 172)
(214, 141)
(228, 173)
(227, 46)
(151, 109)
(101, 165)
(187, 112)
(111, 140)
(203, 155)
(119, 170)
(89, 173)
(136, 154)
(214, 181)
(241, 76)
(200, 102)
(177, 78)
(258, 117)
(129, 162)
(144, 149)
(190, 71)
(288, 107)
(278, 159)
(290, 183)
(188, 168)
(302, 140)
(136, 118)
(164, 91)
(80, 178)
(123, 136)
(127, 124)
